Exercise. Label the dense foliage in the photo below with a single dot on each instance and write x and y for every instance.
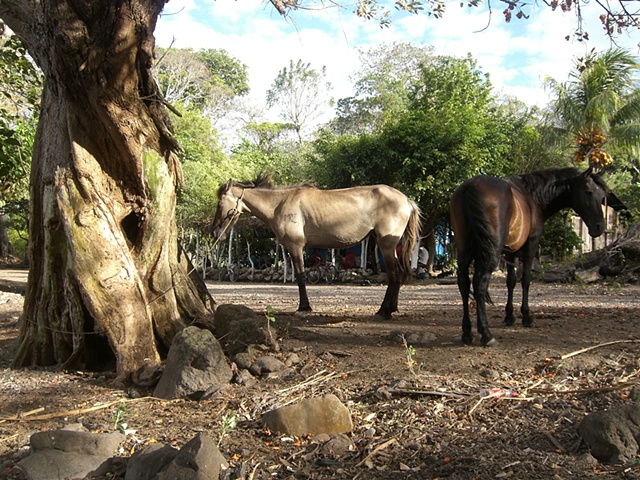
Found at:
(20, 86)
(420, 122)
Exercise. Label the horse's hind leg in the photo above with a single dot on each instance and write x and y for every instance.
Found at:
(298, 266)
(527, 264)
(464, 285)
(390, 301)
(509, 318)
(480, 292)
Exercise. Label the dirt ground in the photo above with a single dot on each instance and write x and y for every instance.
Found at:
(430, 408)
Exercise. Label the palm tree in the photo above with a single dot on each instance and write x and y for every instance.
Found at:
(598, 106)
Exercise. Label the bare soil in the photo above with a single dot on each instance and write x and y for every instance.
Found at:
(425, 409)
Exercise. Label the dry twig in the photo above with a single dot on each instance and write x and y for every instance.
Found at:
(377, 450)
(583, 350)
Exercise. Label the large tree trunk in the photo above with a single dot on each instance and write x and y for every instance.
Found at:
(107, 278)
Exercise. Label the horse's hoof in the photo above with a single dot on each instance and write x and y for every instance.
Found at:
(467, 339)
(490, 343)
(301, 313)
(509, 321)
(379, 317)
(527, 322)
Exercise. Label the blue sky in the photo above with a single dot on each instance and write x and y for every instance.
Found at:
(518, 56)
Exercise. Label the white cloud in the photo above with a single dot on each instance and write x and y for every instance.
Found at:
(264, 44)
(518, 56)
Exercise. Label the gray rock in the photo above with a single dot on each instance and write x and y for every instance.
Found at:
(266, 364)
(69, 453)
(214, 391)
(49, 464)
(339, 446)
(75, 441)
(243, 360)
(293, 359)
(589, 276)
(244, 377)
(195, 363)
(145, 463)
(560, 275)
(613, 436)
(197, 459)
(238, 327)
(324, 414)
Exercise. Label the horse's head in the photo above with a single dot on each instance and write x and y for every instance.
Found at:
(588, 194)
(230, 206)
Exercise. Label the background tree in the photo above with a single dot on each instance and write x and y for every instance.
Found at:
(616, 18)
(382, 85)
(269, 147)
(206, 80)
(451, 128)
(20, 89)
(205, 166)
(598, 107)
(301, 93)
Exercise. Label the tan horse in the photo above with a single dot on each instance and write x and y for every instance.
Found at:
(305, 216)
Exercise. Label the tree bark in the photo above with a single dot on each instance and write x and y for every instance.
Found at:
(108, 280)
(5, 245)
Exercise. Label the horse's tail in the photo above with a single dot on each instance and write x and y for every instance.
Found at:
(480, 243)
(410, 236)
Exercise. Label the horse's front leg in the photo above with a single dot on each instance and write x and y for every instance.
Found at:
(509, 318)
(298, 267)
(464, 285)
(527, 264)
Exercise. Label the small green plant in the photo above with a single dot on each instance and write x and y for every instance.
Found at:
(410, 353)
(229, 422)
(119, 415)
(271, 318)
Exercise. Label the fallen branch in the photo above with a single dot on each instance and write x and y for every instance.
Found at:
(316, 378)
(501, 397)
(26, 414)
(578, 391)
(409, 391)
(49, 416)
(555, 442)
(578, 352)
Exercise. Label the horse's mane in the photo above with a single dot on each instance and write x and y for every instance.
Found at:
(543, 184)
(264, 180)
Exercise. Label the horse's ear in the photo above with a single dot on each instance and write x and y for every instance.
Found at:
(229, 184)
(588, 172)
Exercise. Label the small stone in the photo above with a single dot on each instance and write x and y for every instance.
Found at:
(244, 377)
(243, 360)
(269, 364)
(293, 359)
(322, 438)
(338, 446)
(369, 432)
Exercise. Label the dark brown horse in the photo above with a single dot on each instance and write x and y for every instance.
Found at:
(491, 216)
(307, 216)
